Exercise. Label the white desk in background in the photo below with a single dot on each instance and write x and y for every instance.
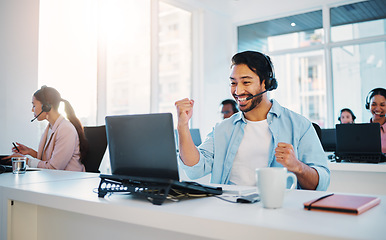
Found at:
(363, 178)
(70, 209)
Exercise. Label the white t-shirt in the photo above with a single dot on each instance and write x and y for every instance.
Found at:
(253, 153)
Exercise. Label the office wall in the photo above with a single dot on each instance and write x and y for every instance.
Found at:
(18, 71)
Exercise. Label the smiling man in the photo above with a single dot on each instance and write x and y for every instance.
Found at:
(262, 134)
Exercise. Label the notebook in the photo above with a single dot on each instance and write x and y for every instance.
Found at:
(343, 203)
(359, 143)
(329, 139)
(142, 151)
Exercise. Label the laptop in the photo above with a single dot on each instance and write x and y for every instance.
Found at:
(359, 143)
(143, 155)
(329, 139)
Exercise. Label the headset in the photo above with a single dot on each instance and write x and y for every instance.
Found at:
(46, 107)
(372, 93)
(271, 82)
(349, 111)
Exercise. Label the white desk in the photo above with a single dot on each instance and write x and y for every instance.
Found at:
(363, 178)
(41, 176)
(70, 209)
(9, 180)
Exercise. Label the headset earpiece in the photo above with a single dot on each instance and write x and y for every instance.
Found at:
(367, 104)
(271, 82)
(46, 107)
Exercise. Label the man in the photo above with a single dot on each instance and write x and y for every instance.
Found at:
(262, 134)
(229, 107)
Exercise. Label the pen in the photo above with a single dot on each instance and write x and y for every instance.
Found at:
(309, 206)
(15, 146)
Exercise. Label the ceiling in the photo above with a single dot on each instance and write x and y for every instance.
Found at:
(351, 13)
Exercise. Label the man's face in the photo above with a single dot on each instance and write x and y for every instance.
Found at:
(245, 83)
(227, 111)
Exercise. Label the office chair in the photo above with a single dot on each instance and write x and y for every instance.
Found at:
(194, 132)
(196, 136)
(318, 131)
(97, 142)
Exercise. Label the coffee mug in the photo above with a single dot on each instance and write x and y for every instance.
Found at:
(272, 183)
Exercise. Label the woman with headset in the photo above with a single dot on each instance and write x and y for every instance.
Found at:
(376, 103)
(63, 143)
(346, 116)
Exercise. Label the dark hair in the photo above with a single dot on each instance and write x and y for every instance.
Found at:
(232, 102)
(50, 96)
(256, 61)
(349, 111)
(372, 93)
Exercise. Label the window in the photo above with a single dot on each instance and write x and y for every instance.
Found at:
(98, 55)
(306, 95)
(67, 53)
(356, 70)
(175, 57)
(303, 56)
(358, 20)
(126, 34)
(301, 75)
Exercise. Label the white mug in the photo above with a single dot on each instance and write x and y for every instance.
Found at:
(272, 183)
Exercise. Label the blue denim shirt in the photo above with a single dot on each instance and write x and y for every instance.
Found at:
(219, 149)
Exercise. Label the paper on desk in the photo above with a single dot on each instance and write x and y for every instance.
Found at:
(237, 190)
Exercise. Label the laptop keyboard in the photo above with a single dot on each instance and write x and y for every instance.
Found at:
(367, 158)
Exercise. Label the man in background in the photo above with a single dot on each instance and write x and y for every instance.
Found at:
(229, 107)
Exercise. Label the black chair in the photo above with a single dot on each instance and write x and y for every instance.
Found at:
(318, 131)
(97, 144)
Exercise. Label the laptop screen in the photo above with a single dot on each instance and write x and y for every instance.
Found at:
(142, 145)
(358, 138)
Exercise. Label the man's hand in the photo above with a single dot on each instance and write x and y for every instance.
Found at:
(285, 155)
(184, 111)
(308, 177)
(188, 151)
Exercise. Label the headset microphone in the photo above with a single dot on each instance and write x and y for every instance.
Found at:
(249, 98)
(37, 116)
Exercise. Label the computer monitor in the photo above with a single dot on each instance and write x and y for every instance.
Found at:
(359, 142)
(329, 139)
(358, 138)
